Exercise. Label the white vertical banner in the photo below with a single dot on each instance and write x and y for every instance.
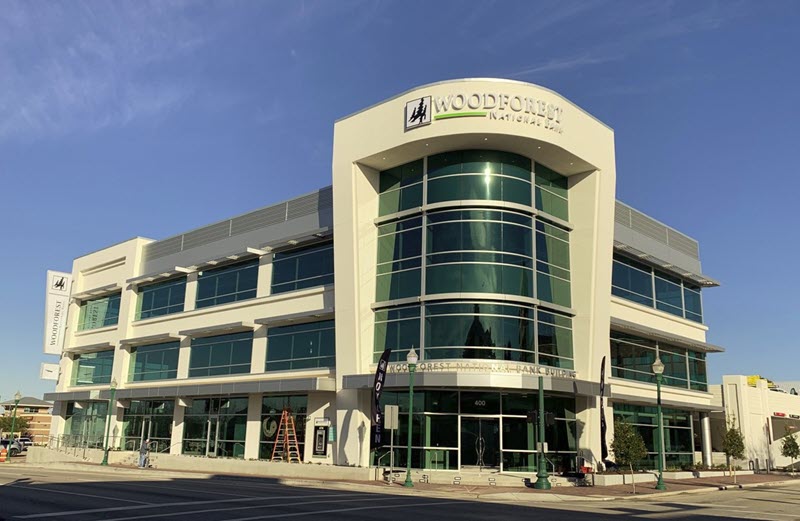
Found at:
(59, 285)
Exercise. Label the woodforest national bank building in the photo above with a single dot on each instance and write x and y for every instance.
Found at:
(473, 220)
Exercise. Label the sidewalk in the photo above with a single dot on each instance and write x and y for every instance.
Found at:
(645, 491)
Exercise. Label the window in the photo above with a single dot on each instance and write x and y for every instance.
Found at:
(650, 287)
(221, 355)
(302, 346)
(396, 328)
(632, 358)
(551, 192)
(227, 284)
(155, 362)
(216, 427)
(163, 298)
(148, 419)
(100, 312)
(400, 188)
(272, 407)
(302, 268)
(479, 175)
(678, 436)
(93, 368)
(399, 259)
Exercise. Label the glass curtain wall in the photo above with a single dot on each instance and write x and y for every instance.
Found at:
(148, 419)
(216, 427)
(85, 425)
(221, 355)
(226, 284)
(154, 362)
(651, 287)
(302, 268)
(678, 433)
(447, 424)
(272, 407)
(301, 346)
(99, 312)
(93, 368)
(632, 358)
(163, 298)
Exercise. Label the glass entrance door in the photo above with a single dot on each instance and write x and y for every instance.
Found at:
(212, 435)
(480, 442)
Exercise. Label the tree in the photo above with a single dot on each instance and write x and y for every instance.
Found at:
(628, 447)
(21, 425)
(789, 447)
(733, 445)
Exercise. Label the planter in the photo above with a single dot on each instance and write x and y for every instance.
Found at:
(605, 480)
(683, 474)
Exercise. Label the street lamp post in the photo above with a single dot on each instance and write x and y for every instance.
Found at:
(17, 398)
(658, 369)
(411, 359)
(108, 419)
(542, 479)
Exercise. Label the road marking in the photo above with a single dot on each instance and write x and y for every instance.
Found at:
(170, 487)
(272, 505)
(175, 504)
(318, 512)
(40, 489)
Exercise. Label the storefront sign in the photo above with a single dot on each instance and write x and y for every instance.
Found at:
(498, 106)
(485, 367)
(59, 286)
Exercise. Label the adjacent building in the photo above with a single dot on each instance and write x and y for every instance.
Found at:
(474, 221)
(36, 412)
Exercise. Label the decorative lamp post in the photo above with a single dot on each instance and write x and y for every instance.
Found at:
(542, 478)
(108, 419)
(411, 359)
(17, 398)
(658, 370)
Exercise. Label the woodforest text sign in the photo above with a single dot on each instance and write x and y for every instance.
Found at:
(445, 366)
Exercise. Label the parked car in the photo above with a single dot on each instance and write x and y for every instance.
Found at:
(25, 442)
(14, 447)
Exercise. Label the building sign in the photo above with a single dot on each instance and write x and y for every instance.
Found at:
(447, 366)
(418, 112)
(49, 371)
(498, 106)
(59, 286)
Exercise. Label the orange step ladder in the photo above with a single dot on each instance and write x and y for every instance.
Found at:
(286, 447)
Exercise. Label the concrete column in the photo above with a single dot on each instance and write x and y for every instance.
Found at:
(258, 358)
(252, 444)
(352, 428)
(176, 441)
(184, 353)
(189, 301)
(264, 276)
(705, 437)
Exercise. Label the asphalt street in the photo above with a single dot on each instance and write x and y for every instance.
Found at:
(68, 495)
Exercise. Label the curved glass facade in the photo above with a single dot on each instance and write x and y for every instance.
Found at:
(502, 253)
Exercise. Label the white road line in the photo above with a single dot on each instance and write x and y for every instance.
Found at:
(40, 489)
(273, 505)
(170, 487)
(318, 512)
(175, 504)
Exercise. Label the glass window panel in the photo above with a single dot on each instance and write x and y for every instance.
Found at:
(100, 312)
(227, 284)
(302, 268)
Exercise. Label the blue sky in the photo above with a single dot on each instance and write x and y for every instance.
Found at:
(120, 119)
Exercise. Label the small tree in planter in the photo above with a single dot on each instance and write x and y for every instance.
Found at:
(733, 446)
(628, 447)
(789, 447)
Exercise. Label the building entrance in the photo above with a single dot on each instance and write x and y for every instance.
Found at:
(480, 442)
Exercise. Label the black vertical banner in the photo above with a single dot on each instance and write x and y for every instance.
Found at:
(377, 390)
(603, 426)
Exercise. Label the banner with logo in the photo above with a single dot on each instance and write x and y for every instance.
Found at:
(377, 390)
(603, 426)
(59, 285)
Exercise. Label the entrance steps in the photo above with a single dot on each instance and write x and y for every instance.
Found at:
(476, 477)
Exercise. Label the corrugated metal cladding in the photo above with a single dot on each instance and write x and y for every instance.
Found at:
(639, 222)
(282, 212)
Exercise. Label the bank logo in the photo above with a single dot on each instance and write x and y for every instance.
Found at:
(59, 283)
(418, 112)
